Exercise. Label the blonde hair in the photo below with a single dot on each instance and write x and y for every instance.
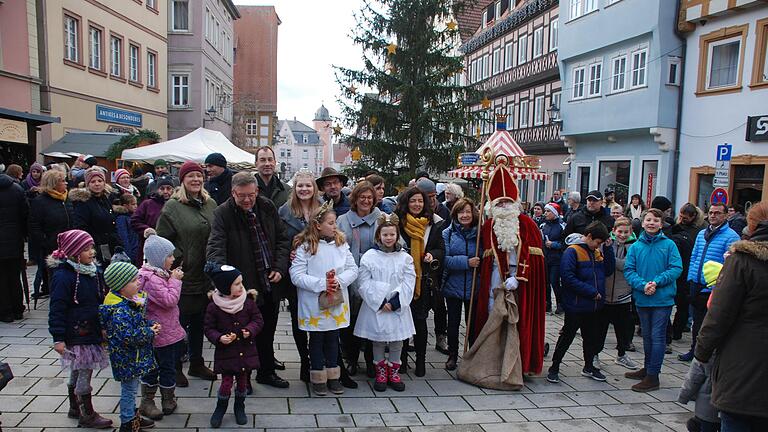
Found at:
(181, 194)
(294, 203)
(757, 214)
(310, 237)
(51, 179)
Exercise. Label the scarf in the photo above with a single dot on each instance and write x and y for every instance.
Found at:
(229, 305)
(415, 228)
(61, 196)
(636, 212)
(165, 274)
(130, 190)
(85, 269)
(262, 252)
(31, 181)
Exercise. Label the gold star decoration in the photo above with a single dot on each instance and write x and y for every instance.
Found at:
(327, 314)
(486, 103)
(346, 308)
(452, 25)
(477, 131)
(341, 318)
(391, 48)
(373, 120)
(337, 130)
(352, 89)
(314, 321)
(302, 322)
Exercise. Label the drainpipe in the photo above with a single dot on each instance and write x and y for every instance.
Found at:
(676, 160)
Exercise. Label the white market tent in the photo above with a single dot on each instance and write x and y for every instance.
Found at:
(194, 146)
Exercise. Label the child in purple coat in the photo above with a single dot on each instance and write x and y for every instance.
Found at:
(232, 321)
(163, 289)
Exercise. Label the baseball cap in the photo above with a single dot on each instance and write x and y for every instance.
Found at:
(594, 195)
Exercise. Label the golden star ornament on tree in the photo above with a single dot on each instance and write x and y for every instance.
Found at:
(337, 130)
(452, 25)
(352, 89)
(373, 120)
(391, 48)
(486, 103)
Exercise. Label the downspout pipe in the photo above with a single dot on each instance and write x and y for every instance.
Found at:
(676, 158)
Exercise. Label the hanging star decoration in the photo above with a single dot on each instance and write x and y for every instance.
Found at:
(373, 120)
(337, 130)
(391, 48)
(352, 89)
(486, 103)
(452, 25)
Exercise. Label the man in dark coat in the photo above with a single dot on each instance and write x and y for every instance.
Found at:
(270, 186)
(161, 172)
(247, 233)
(14, 211)
(219, 183)
(593, 211)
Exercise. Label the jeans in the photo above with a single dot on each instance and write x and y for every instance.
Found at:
(454, 321)
(589, 323)
(323, 349)
(193, 324)
(165, 373)
(266, 338)
(740, 423)
(553, 285)
(128, 399)
(620, 315)
(653, 322)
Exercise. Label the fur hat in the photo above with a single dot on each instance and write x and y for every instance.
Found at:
(157, 249)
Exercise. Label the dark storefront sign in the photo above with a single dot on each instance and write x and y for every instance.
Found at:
(757, 128)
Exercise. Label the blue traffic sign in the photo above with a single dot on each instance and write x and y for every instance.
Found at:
(719, 196)
(724, 152)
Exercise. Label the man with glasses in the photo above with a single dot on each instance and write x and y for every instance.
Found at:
(331, 182)
(711, 245)
(247, 233)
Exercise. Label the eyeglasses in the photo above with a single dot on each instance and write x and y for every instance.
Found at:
(715, 213)
(251, 196)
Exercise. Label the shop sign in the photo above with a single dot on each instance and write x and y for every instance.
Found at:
(469, 158)
(114, 115)
(757, 128)
(13, 131)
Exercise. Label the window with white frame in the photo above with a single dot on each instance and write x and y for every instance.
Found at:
(523, 114)
(589, 6)
(216, 36)
(578, 83)
(305, 152)
(522, 49)
(723, 63)
(228, 53)
(251, 126)
(305, 139)
(152, 4)
(508, 55)
(133, 63)
(71, 38)
(540, 190)
(180, 15)
(207, 24)
(510, 116)
(556, 97)
(94, 41)
(179, 90)
(595, 78)
(576, 8)
(673, 70)
(538, 111)
(553, 33)
(619, 74)
(538, 42)
(486, 66)
(151, 70)
(639, 63)
(485, 18)
(496, 61)
(116, 56)
(498, 10)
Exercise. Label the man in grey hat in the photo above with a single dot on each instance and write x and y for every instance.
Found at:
(331, 182)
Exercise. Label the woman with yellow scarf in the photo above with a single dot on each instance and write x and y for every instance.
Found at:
(421, 236)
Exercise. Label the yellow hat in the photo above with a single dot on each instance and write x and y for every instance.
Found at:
(711, 271)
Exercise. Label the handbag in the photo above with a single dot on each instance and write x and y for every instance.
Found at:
(5, 374)
(328, 299)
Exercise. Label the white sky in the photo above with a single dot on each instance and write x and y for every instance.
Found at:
(313, 36)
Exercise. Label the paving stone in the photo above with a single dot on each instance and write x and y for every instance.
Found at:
(666, 394)
(367, 420)
(43, 371)
(631, 424)
(20, 340)
(675, 422)
(9, 331)
(45, 404)
(366, 405)
(517, 427)
(412, 388)
(578, 412)
(541, 385)
(591, 398)
(14, 403)
(629, 396)
(499, 402)
(374, 429)
(510, 416)
(581, 425)
(25, 351)
(550, 400)
(401, 419)
(18, 385)
(454, 388)
(10, 419)
(46, 420)
(474, 417)
(266, 405)
(540, 414)
(204, 421)
(408, 404)
(448, 428)
(314, 406)
(448, 403)
(581, 383)
(671, 407)
(433, 419)
(173, 421)
(632, 409)
(334, 420)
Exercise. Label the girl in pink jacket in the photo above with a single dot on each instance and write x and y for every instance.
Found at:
(163, 288)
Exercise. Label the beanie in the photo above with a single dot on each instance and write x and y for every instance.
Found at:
(222, 276)
(121, 172)
(661, 203)
(92, 172)
(165, 181)
(217, 159)
(91, 161)
(553, 207)
(426, 185)
(711, 270)
(157, 249)
(188, 167)
(36, 167)
(119, 274)
(160, 162)
(72, 243)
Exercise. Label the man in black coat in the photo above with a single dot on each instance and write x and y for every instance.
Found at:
(219, 183)
(593, 211)
(247, 233)
(14, 211)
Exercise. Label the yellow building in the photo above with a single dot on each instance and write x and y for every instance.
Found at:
(104, 66)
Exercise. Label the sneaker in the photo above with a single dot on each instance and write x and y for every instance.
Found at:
(668, 350)
(595, 374)
(686, 357)
(553, 377)
(626, 362)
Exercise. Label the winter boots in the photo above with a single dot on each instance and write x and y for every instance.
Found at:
(334, 385)
(74, 408)
(169, 400)
(218, 414)
(381, 376)
(319, 380)
(393, 377)
(181, 379)
(198, 369)
(88, 417)
(147, 408)
(240, 417)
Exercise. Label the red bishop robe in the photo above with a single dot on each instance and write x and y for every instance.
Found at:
(530, 294)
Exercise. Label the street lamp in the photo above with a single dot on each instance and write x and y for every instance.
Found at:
(554, 115)
(211, 114)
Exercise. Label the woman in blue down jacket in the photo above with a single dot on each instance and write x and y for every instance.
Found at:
(460, 240)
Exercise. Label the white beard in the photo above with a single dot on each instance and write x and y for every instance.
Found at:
(506, 226)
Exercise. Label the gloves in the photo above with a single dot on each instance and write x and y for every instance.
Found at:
(510, 284)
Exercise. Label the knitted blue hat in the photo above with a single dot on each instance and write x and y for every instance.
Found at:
(157, 249)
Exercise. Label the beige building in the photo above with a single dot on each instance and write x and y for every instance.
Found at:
(104, 65)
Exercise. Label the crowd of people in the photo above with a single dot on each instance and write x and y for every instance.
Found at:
(151, 265)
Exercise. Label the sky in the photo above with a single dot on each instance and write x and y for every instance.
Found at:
(313, 36)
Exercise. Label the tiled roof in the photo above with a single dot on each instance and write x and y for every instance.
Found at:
(470, 18)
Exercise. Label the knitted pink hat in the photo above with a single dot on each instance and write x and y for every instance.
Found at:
(121, 172)
(72, 243)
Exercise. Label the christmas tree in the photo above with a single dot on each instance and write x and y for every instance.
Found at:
(418, 115)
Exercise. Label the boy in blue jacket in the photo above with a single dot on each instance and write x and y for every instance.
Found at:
(583, 269)
(652, 267)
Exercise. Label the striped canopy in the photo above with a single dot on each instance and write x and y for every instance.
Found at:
(501, 143)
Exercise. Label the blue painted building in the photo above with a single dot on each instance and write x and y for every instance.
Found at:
(620, 65)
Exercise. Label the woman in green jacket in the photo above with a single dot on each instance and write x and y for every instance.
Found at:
(186, 221)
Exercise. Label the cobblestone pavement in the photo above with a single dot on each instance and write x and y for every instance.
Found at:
(36, 399)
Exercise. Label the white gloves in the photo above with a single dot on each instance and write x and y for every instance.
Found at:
(510, 284)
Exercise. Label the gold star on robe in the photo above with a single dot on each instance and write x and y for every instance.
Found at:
(327, 314)
(302, 322)
(314, 321)
(340, 319)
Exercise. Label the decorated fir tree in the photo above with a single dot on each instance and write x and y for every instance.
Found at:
(418, 115)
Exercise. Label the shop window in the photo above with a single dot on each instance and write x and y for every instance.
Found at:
(524, 191)
(705, 189)
(615, 175)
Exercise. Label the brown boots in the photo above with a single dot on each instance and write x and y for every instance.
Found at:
(198, 369)
(647, 382)
(147, 408)
(88, 417)
(169, 400)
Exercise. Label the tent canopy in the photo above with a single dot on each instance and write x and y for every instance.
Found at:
(501, 143)
(194, 146)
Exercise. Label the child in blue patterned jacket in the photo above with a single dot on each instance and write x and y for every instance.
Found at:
(130, 336)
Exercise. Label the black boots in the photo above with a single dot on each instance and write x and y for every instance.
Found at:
(218, 413)
(74, 408)
(88, 417)
(240, 417)
(181, 379)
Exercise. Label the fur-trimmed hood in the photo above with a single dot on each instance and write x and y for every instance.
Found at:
(758, 249)
(120, 210)
(83, 194)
